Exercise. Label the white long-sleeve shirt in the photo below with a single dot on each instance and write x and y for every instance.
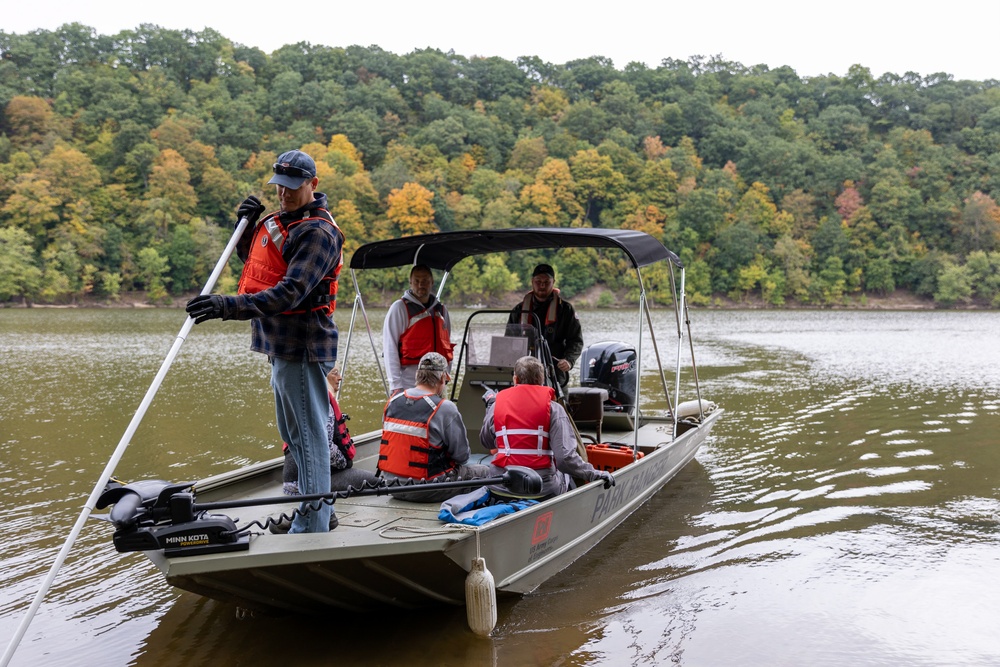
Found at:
(396, 321)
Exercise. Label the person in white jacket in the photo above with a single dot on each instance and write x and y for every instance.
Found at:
(417, 323)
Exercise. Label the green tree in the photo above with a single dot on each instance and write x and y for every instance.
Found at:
(496, 278)
(19, 277)
(736, 247)
(61, 272)
(878, 277)
(985, 269)
(658, 184)
(153, 270)
(979, 226)
(829, 285)
(181, 257)
(793, 257)
(954, 284)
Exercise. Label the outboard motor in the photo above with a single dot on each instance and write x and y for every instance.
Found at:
(611, 365)
(154, 514)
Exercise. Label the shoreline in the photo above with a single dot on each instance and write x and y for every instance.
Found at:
(897, 301)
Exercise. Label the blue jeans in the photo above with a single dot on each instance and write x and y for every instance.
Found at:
(301, 407)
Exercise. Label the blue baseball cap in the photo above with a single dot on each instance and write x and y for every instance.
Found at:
(292, 169)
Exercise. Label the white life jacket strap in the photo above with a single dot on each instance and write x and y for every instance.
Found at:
(503, 444)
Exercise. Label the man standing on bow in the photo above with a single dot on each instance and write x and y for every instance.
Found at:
(416, 324)
(560, 326)
(288, 290)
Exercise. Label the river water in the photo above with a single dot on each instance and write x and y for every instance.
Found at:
(845, 510)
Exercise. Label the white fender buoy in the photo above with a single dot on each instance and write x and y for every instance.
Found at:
(480, 599)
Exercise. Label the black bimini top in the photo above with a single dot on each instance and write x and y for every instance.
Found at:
(446, 249)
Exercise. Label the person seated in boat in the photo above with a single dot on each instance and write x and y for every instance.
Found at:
(416, 323)
(525, 426)
(560, 326)
(342, 471)
(424, 437)
(343, 474)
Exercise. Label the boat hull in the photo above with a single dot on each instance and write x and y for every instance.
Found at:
(393, 554)
(535, 544)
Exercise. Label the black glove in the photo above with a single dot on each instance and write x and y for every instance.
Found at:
(609, 479)
(206, 307)
(251, 208)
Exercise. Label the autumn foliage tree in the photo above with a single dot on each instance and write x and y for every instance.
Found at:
(123, 157)
(410, 211)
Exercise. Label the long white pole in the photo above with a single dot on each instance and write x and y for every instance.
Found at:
(119, 452)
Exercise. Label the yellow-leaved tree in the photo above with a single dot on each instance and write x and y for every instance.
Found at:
(410, 209)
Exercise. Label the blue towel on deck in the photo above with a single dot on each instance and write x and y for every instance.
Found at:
(475, 508)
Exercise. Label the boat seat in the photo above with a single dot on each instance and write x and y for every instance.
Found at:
(586, 406)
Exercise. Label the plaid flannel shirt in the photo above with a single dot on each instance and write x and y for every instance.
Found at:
(312, 250)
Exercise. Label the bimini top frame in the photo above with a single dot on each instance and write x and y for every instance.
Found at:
(444, 250)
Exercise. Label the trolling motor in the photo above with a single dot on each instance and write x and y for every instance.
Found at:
(154, 514)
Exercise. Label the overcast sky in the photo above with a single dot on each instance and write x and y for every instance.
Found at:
(957, 37)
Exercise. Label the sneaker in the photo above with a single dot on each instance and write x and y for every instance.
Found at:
(281, 528)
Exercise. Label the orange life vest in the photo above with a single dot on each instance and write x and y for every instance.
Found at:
(266, 266)
(425, 332)
(406, 448)
(522, 415)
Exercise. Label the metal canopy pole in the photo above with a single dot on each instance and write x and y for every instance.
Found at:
(444, 279)
(681, 304)
(359, 302)
(659, 363)
(694, 366)
(638, 366)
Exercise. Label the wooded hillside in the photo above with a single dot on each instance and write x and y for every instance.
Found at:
(123, 157)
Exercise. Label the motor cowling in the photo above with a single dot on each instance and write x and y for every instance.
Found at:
(611, 365)
(154, 514)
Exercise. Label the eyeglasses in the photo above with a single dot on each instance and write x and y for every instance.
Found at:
(285, 169)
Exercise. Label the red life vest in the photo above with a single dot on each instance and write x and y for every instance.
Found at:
(266, 266)
(522, 415)
(341, 436)
(425, 332)
(406, 448)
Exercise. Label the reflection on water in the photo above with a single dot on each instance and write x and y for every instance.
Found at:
(845, 510)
